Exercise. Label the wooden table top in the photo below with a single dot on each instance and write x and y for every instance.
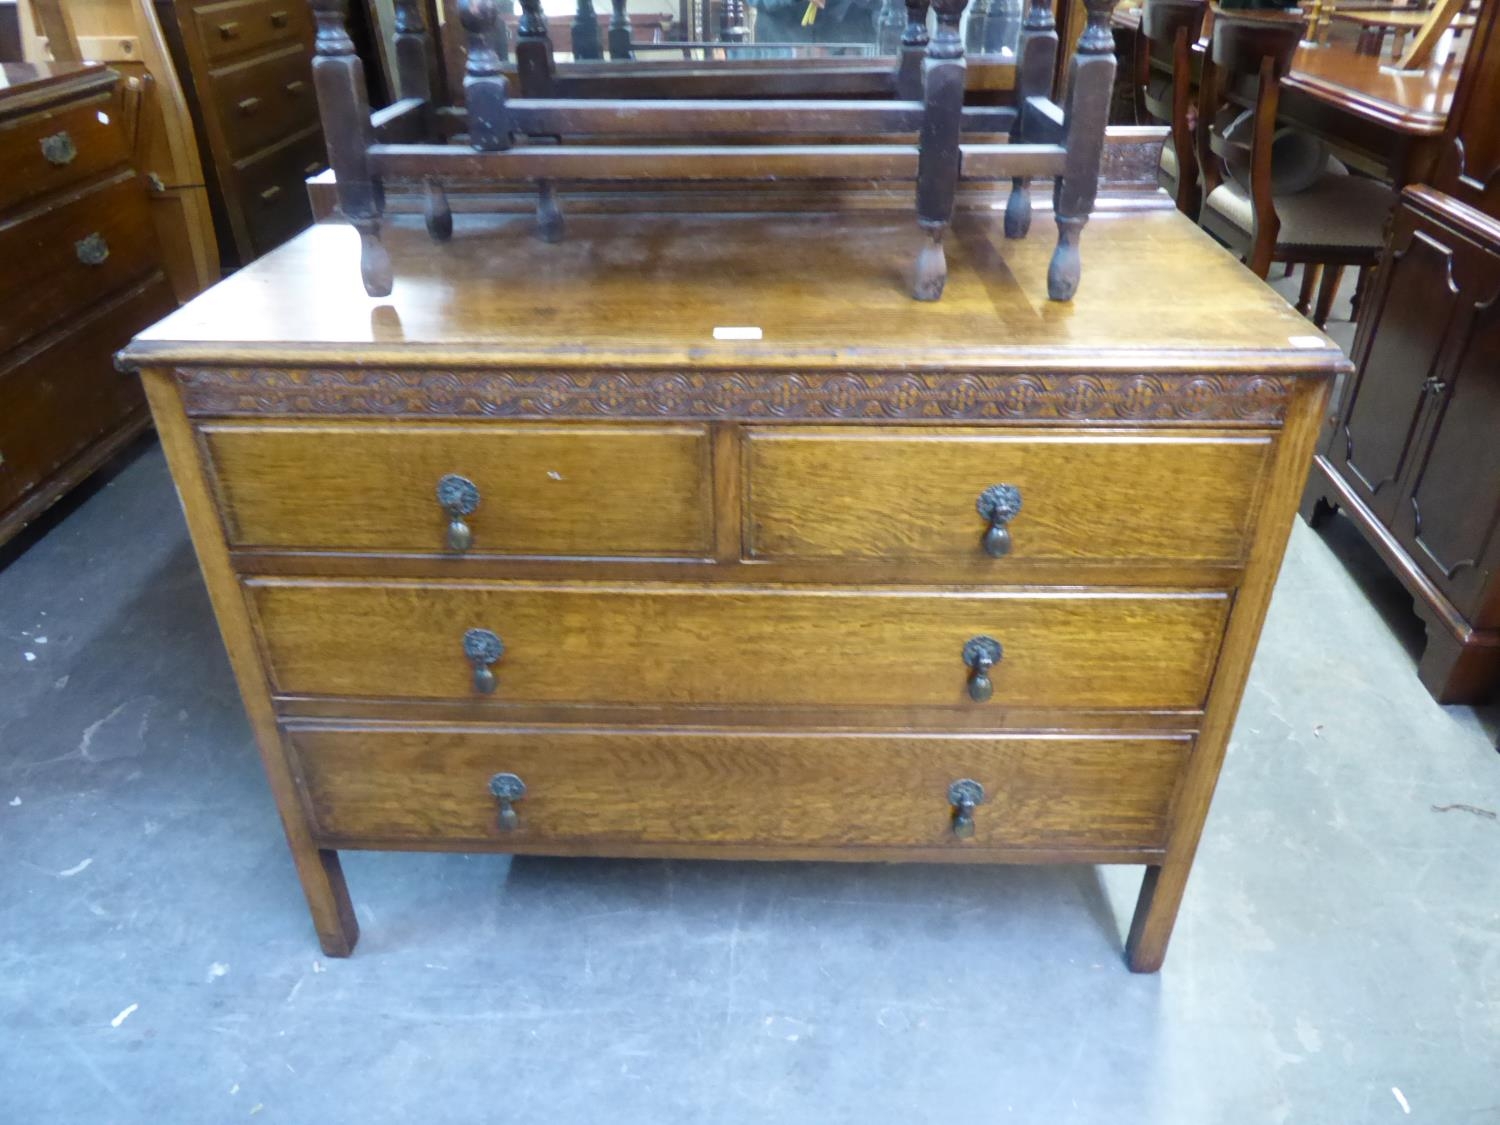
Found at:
(1363, 85)
(825, 291)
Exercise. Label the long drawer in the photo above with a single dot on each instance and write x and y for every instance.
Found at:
(58, 264)
(910, 493)
(48, 151)
(678, 644)
(387, 785)
(580, 490)
(265, 99)
(241, 26)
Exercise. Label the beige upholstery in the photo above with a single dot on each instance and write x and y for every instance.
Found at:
(1338, 210)
(1167, 167)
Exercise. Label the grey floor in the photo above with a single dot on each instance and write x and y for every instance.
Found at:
(1337, 958)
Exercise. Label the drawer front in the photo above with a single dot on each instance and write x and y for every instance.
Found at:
(65, 396)
(273, 189)
(576, 490)
(61, 262)
(262, 101)
(906, 493)
(657, 787)
(47, 152)
(227, 30)
(670, 644)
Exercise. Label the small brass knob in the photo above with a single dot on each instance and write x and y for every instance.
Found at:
(981, 654)
(459, 496)
(508, 789)
(999, 504)
(92, 250)
(483, 648)
(58, 149)
(965, 795)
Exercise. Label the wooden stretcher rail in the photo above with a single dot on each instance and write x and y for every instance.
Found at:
(676, 117)
(593, 163)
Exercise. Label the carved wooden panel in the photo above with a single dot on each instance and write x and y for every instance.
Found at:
(737, 395)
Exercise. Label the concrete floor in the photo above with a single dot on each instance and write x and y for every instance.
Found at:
(1337, 958)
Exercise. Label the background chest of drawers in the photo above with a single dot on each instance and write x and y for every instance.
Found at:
(509, 563)
(247, 65)
(80, 273)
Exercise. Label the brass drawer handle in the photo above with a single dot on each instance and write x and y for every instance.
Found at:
(230, 30)
(271, 194)
(59, 149)
(93, 250)
(508, 788)
(965, 795)
(295, 87)
(981, 654)
(483, 648)
(248, 106)
(459, 496)
(998, 504)
(315, 168)
(279, 18)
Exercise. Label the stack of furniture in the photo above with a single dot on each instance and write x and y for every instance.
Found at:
(246, 65)
(81, 274)
(1412, 455)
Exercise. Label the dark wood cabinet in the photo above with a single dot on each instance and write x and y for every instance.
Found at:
(1413, 452)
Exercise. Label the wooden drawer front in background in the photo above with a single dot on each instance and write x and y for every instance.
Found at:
(227, 30)
(47, 152)
(65, 260)
(578, 490)
(273, 189)
(426, 784)
(265, 99)
(661, 644)
(68, 394)
(906, 493)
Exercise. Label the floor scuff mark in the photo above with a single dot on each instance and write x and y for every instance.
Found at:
(75, 869)
(123, 1016)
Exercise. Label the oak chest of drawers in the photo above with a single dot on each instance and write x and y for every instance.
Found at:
(80, 273)
(528, 558)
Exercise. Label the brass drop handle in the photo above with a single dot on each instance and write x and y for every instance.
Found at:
(279, 19)
(981, 654)
(58, 149)
(508, 789)
(459, 496)
(229, 30)
(965, 795)
(295, 87)
(483, 648)
(248, 106)
(93, 250)
(998, 504)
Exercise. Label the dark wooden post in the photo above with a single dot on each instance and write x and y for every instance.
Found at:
(413, 79)
(534, 65)
(619, 31)
(339, 78)
(938, 156)
(485, 88)
(1091, 77)
(586, 32)
(913, 51)
(1036, 59)
(979, 18)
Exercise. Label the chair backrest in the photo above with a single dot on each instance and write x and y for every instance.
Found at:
(1169, 29)
(1249, 55)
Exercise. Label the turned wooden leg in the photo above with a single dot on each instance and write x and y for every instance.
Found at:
(1155, 915)
(374, 260)
(1361, 281)
(1311, 271)
(932, 264)
(1066, 267)
(549, 220)
(1332, 276)
(327, 898)
(1454, 671)
(1018, 208)
(438, 213)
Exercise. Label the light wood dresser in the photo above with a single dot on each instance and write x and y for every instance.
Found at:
(533, 556)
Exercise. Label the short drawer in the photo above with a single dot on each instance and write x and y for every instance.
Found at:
(49, 151)
(911, 493)
(661, 787)
(226, 30)
(60, 263)
(576, 490)
(261, 101)
(273, 189)
(677, 644)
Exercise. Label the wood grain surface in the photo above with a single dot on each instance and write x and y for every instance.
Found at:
(728, 787)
